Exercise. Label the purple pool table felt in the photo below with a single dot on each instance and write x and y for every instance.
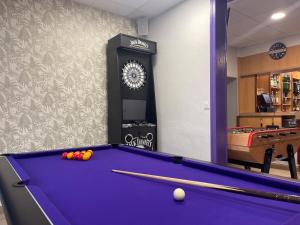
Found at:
(88, 192)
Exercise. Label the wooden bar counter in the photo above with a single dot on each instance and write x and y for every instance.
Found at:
(263, 119)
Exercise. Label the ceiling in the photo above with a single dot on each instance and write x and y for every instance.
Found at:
(133, 8)
(250, 23)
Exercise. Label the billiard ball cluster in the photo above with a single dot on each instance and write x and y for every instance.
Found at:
(83, 155)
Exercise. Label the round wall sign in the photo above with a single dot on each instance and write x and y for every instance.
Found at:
(277, 51)
(133, 74)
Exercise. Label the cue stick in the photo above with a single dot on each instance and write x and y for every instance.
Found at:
(262, 194)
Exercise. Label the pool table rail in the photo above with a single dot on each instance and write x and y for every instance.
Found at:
(20, 207)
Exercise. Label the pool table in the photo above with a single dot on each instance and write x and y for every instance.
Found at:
(42, 188)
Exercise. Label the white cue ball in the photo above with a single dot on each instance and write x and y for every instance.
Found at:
(178, 194)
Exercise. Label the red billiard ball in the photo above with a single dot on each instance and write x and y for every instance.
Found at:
(64, 155)
(74, 155)
(79, 157)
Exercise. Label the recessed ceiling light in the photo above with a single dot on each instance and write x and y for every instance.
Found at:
(278, 16)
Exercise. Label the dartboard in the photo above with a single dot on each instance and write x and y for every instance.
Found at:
(133, 74)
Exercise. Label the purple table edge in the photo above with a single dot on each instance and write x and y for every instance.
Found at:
(17, 195)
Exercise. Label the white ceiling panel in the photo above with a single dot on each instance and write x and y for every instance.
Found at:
(156, 7)
(85, 2)
(236, 26)
(139, 13)
(257, 7)
(117, 8)
(230, 36)
(133, 8)
(290, 27)
(240, 44)
(265, 34)
(132, 3)
(250, 21)
(290, 24)
(292, 12)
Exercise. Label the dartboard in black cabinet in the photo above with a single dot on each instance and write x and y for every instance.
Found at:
(131, 97)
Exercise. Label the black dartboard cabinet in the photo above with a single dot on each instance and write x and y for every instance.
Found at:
(130, 90)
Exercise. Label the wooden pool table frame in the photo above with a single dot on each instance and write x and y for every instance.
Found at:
(20, 206)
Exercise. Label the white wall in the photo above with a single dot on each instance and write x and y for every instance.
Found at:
(232, 62)
(182, 79)
(255, 49)
(232, 109)
(232, 74)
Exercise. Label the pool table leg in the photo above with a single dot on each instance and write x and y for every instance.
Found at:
(292, 161)
(298, 156)
(267, 161)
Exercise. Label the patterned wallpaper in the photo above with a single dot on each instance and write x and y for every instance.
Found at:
(53, 73)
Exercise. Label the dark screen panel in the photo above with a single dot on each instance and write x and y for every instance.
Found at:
(134, 110)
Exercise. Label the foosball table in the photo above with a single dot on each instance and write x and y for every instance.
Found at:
(253, 147)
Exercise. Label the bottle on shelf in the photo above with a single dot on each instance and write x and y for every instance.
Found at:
(285, 88)
(296, 91)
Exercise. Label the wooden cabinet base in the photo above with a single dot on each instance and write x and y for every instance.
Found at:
(259, 121)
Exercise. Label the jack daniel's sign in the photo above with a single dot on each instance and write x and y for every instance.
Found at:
(136, 43)
(140, 141)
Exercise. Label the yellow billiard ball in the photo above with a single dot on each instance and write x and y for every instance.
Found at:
(70, 155)
(90, 151)
(86, 156)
